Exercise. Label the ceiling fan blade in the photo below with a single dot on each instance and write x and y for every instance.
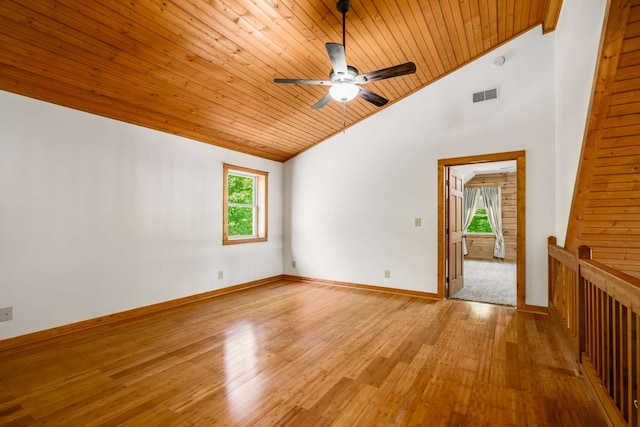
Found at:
(385, 73)
(303, 81)
(325, 99)
(372, 97)
(337, 57)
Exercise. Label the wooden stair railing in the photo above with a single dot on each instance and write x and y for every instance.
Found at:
(563, 293)
(598, 310)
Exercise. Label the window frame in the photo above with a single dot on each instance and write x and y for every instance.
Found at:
(260, 204)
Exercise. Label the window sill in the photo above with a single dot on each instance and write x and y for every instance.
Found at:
(240, 241)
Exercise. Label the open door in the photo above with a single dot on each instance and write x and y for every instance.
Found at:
(454, 231)
(450, 256)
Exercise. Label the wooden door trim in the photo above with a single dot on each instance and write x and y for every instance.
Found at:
(519, 157)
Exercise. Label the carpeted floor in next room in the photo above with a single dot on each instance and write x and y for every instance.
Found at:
(492, 282)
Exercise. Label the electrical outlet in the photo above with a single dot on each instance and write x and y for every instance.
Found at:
(418, 222)
(6, 314)
(387, 274)
(293, 264)
(220, 274)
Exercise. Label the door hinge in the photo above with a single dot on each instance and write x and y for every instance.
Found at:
(446, 182)
(447, 280)
(446, 231)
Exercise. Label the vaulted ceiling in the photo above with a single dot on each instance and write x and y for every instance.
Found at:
(205, 69)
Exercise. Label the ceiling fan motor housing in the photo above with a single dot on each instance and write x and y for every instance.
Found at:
(350, 77)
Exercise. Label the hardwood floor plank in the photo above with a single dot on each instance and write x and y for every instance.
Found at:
(298, 354)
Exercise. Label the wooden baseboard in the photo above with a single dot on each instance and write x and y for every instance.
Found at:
(111, 319)
(536, 309)
(364, 287)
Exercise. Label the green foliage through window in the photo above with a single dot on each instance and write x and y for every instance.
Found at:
(241, 208)
(244, 218)
(480, 223)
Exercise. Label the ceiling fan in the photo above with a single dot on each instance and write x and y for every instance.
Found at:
(344, 79)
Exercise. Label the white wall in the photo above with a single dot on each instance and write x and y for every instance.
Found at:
(576, 52)
(98, 216)
(351, 201)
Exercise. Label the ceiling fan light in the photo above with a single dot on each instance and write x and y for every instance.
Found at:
(344, 92)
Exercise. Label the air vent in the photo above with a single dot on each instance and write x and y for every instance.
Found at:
(485, 95)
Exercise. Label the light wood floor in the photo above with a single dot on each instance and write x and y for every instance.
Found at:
(302, 354)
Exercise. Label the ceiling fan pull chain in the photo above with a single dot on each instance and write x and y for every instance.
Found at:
(344, 118)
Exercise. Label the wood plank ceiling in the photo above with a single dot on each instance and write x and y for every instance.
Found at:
(205, 69)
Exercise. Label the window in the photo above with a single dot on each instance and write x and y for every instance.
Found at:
(245, 205)
(479, 222)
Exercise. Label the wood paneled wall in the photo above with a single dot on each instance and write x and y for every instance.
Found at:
(605, 214)
(481, 246)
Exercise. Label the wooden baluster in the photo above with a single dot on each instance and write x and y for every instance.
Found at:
(612, 347)
(583, 252)
(635, 344)
(622, 353)
(614, 351)
(628, 374)
(552, 272)
(593, 333)
(573, 310)
(597, 318)
(602, 326)
(560, 290)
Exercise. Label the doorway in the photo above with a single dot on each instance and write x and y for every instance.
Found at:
(450, 256)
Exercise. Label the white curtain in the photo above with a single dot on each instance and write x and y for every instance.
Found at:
(470, 197)
(493, 202)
